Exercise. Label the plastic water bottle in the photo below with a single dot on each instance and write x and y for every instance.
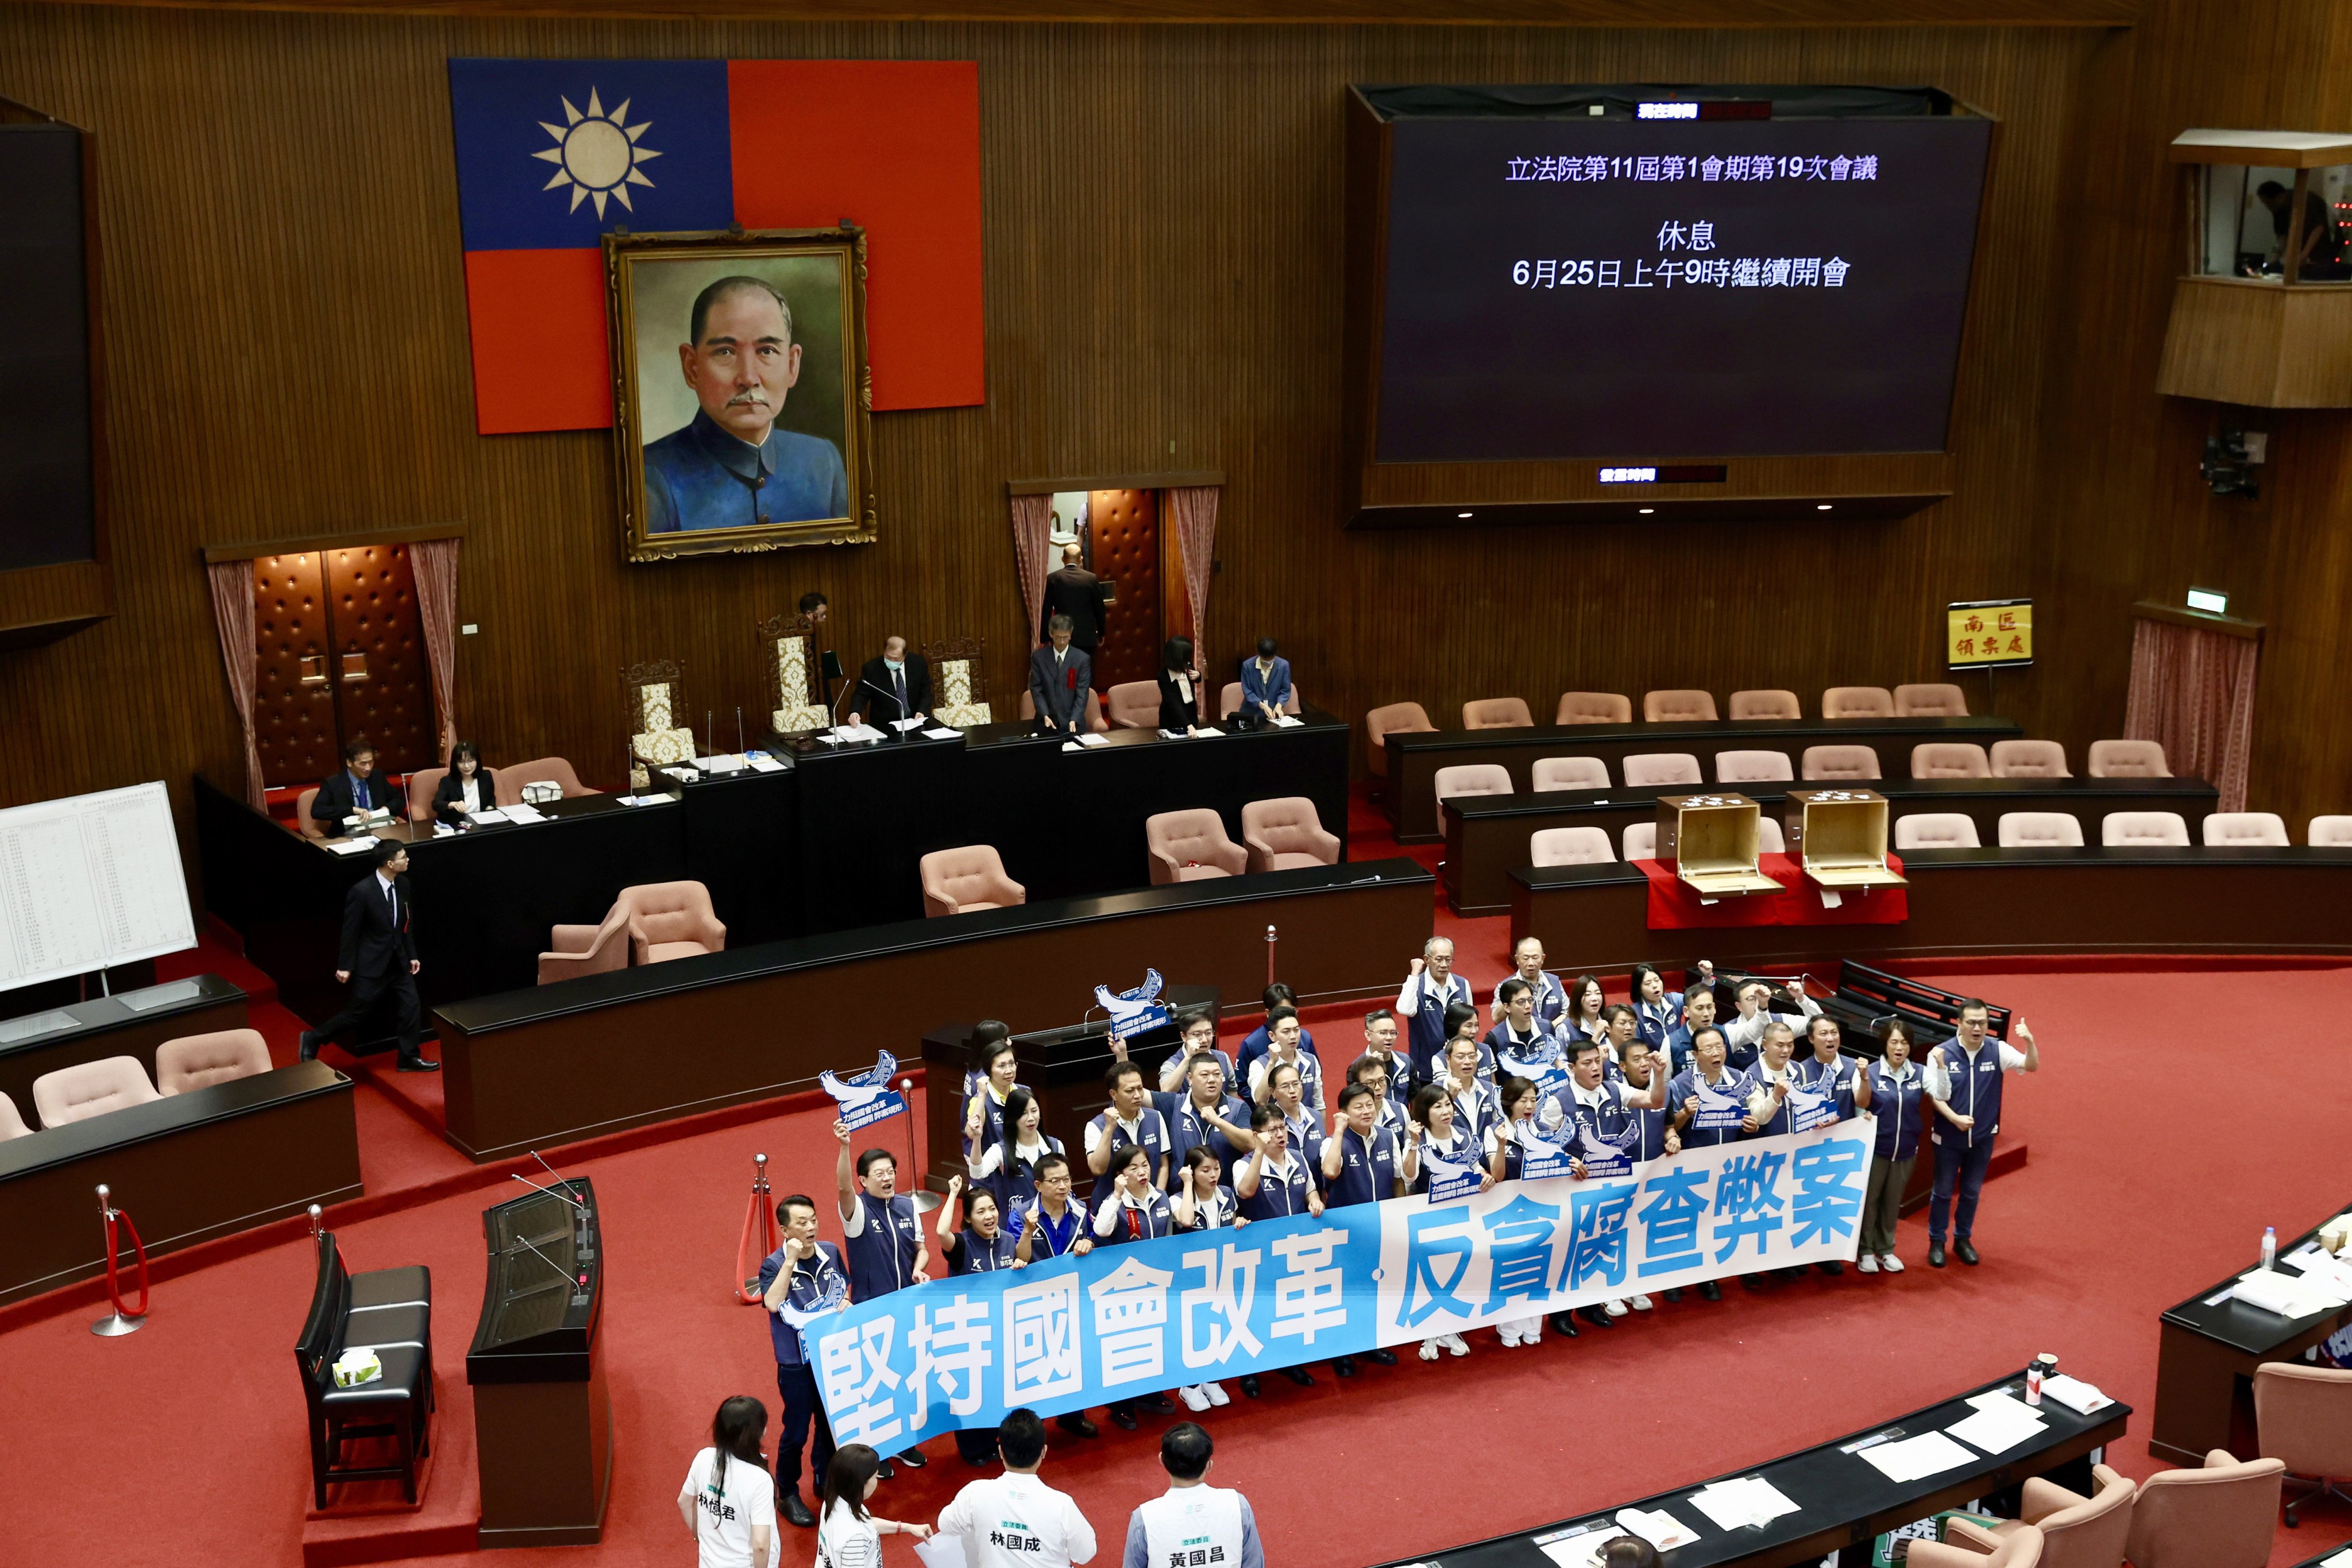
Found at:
(2270, 1247)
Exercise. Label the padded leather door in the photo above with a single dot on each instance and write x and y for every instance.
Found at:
(1124, 530)
(381, 688)
(294, 697)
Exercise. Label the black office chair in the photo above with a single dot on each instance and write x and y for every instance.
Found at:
(389, 1311)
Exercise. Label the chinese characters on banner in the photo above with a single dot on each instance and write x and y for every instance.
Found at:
(1988, 634)
(866, 1098)
(1668, 168)
(1123, 1322)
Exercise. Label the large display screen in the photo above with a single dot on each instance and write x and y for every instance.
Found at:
(1566, 288)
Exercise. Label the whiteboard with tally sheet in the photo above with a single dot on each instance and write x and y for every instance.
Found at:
(90, 881)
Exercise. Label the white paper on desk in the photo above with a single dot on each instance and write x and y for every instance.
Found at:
(1917, 1457)
(1657, 1526)
(1208, 730)
(1288, 721)
(1577, 1548)
(941, 1551)
(496, 814)
(2003, 1399)
(1735, 1505)
(2074, 1394)
(2341, 1559)
(350, 845)
(1996, 1431)
(725, 763)
(682, 775)
(524, 814)
(766, 766)
(914, 723)
(940, 732)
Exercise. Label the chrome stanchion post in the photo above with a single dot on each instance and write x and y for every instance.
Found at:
(115, 1325)
(1272, 940)
(925, 1199)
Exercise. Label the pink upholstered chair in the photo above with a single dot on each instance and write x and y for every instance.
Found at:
(1752, 767)
(1681, 707)
(1133, 705)
(588, 949)
(2077, 1532)
(1497, 713)
(1570, 773)
(421, 785)
(971, 876)
(2222, 1516)
(1936, 830)
(2330, 833)
(1640, 840)
(1096, 723)
(2152, 827)
(304, 823)
(1950, 760)
(1930, 703)
(1570, 847)
(1857, 702)
(1829, 763)
(2302, 1418)
(1229, 700)
(1471, 778)
(1188, 846)
(91, 1089)
(2128, 760)
(1593, 707)
(1396, 719)
(1967, 1545)
(2029, 760)
(1772, 704)
(2225, 828)
(2039, 830)
(1652, 770)
(672, 920)
(195, 1061)
(11, 1124)
(539, 770)
(1769, 840)
(1286, 833)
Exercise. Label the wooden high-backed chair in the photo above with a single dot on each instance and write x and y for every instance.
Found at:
(959, 682)
(653, 693)
(788, 653)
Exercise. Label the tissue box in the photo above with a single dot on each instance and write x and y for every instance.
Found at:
(539, 791)
(357, 1367)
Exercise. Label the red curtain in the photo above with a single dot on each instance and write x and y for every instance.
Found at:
(434, 562)
(1194, 509)
(2192, 692)
(232, 586)
(1033, 521)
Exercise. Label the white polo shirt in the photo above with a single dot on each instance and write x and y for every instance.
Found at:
(1016, 1520)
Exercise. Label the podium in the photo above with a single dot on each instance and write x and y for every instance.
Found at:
(1839, 837)
(1063, 1067)
(542, 1417)
(1714, 841)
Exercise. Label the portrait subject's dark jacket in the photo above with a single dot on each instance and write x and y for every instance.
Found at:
(701, 477)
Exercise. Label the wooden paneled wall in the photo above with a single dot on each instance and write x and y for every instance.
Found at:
(287, 347)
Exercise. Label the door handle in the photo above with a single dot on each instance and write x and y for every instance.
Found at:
(355, 666)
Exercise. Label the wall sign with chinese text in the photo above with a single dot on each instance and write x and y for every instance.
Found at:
(1988, 634)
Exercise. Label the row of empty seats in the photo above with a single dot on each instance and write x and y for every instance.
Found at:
(1184, 847)
(1951, 830)
(648, 924)
(1135, 705)
(1684, 707)
(92, 1089)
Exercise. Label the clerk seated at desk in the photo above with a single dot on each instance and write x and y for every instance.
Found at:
(359, 787)
(1265, 682)
(894, 687)
(1060, 675)
(467, 790)
(1179, 688)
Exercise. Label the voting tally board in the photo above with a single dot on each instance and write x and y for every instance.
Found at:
(1127, 1321)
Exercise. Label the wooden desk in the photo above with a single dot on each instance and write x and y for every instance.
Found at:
(537, 1068)
(2205, 1357)
(1411, 792)
(127, 1024)
(1845, 1502)
(225, 1158)
(1487, 835)
(1981, 901)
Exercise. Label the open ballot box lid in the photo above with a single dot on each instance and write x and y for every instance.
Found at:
(1713, 841)
(1839, 836)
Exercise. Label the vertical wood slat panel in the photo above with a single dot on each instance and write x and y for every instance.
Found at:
(287, 342)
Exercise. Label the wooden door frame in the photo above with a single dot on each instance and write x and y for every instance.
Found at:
(254, 549)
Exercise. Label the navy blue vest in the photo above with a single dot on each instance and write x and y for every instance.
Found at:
(1366, 1175)
(1779, 1124)
(1186, 1130)
(1152, 1219)
(1227, 1207)
(882, 1253)
(1734, 1083)
(1464, 1150)
(1014, 1180)
(813, 1278)
(1611, 1122)
(1277, 1198)
(1810, 1070)
(1427, 1031)
(1897, 1110)
(970, 1255)
(1058, 1236)
(1976, 1091)
(1148, 1121)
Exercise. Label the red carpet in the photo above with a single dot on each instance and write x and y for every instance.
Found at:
(2144, 1184)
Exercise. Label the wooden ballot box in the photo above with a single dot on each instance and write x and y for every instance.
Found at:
(1713, 841)
(1839, 836)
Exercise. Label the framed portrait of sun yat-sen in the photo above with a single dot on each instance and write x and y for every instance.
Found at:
(741, 408)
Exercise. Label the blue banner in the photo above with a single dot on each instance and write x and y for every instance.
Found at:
(1128, 1320)
(867, 1098)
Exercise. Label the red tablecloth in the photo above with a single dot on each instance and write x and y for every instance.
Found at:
(1675, 905)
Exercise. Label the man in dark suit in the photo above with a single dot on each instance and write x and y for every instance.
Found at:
(378, 961)
(1076, 592)
(896, 686)
(359, 787)
(1059, 677)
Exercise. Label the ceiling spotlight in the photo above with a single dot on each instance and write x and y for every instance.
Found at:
(1462, 514)
(1822, 507)
(1648, 510)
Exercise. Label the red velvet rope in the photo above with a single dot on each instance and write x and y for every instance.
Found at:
(759, 1240)
(113, 1248)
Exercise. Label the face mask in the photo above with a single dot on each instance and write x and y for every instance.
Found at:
(894, 665)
